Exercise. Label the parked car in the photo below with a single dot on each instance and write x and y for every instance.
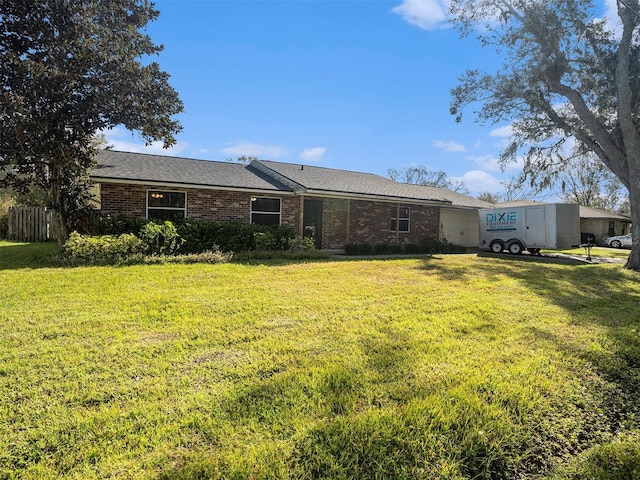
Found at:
(619, 241)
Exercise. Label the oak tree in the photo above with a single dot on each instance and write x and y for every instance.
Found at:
(570, 82)
(68, 70)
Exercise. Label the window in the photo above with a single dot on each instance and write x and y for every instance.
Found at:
(265, 211)
(165, 205)
(400, 223)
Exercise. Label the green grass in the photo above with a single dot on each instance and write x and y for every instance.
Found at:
(450, 367)
(595, 252)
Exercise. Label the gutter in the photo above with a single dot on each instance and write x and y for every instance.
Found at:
(156, 183)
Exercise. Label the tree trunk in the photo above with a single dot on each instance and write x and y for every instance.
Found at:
(58, 204)
(633, 263)
(63, 228)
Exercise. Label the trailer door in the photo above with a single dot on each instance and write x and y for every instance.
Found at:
(535, 227)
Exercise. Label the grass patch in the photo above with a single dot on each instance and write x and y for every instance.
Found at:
(444, 367)
(595, 252)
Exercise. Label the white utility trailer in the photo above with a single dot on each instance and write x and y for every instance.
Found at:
(530, 227)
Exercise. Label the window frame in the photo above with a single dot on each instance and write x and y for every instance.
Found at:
(264, 212)
(173, 209)
(397, 219)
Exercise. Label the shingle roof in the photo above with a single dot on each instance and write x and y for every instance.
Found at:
(329, 180)
(263, 175)
(588, 212)
(139, 167)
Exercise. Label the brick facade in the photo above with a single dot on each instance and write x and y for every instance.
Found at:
(370, 223)
(210, 205)
(343, 221)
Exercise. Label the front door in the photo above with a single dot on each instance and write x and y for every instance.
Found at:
(313, 221)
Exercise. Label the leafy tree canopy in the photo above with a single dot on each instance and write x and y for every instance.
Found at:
(569, 84)
(69, 69)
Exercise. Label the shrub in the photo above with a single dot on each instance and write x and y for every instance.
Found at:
(302, 244)
(210, 256)
(358, 249)
(201, 235)
(105, 247)
(161, 238)
(108, 225)
(428, 246)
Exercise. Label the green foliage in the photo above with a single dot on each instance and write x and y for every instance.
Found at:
(618, 459)
(302, 244)
(199, 235)
(116, 225)
(160, 238)
(209, 256)
(429, 246)
(105, 247)
(233, 236)
(413, 368)
(558, 53)
(69, 70)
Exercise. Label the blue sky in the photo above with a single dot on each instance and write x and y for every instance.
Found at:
(351, 84)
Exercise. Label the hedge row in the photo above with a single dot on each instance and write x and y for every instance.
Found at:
(429, 246)
(198, 236)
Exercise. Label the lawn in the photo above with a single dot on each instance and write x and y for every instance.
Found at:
(443, 367)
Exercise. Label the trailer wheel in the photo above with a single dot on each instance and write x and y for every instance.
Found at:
(497, 246)
(516, 248)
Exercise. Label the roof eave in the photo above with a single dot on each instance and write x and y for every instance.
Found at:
(157, 183)
(382, 198)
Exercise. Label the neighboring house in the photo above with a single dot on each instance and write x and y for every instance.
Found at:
(603, 224)
(335, 207)
(599, 223)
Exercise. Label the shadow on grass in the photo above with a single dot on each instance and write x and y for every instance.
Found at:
(15, 256)
(590, 294)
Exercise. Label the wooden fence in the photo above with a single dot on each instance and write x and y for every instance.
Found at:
(31, 224)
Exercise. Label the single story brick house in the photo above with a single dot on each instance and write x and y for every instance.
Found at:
(335, 207)
(593, 221)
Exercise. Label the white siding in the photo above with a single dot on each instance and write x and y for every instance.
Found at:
(459, 226)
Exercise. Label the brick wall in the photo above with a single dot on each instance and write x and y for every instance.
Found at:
(334, 223)
(210, 205)
(128, 200)
(369, 222)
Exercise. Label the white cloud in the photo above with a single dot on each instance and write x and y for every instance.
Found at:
(426, 14)
(255, 150)
(486, 162)
(449, 146)
(502, 132)
(611, 17)
(123, 140)
(478, 181)
(491, 163)
(313, 154)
